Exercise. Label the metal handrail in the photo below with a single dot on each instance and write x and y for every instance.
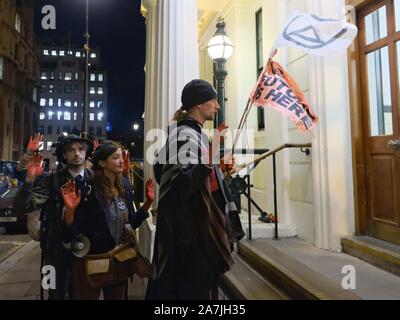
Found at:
(272, 152)
(262, 157)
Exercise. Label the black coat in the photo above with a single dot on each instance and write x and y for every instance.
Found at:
(92, 219)
(181, 267)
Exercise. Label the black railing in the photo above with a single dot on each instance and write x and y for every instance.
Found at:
(247, 184)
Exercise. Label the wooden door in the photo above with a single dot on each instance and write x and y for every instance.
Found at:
(379, 49)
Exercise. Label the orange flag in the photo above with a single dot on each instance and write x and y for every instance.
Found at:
(276, 89)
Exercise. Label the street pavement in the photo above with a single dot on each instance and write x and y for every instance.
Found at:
(20, 270)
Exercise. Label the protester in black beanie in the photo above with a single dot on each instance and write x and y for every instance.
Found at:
(196, 93)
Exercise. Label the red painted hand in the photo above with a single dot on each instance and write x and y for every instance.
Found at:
(127, 162)
(222, 128)
(95, 144)
(35, 167)
(216, 143)
(34, 142)
(227, 163)
(150, 190)
(71, 198)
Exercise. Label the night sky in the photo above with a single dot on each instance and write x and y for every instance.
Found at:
(118, 28)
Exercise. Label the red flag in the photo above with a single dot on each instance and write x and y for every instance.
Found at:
(277, 89)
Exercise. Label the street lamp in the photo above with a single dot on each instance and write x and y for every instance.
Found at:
(136, 126)
(87, 49)
(220, 49)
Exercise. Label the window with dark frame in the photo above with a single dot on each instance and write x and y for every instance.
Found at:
(260, 64)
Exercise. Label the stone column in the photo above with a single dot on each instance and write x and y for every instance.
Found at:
(172, 60)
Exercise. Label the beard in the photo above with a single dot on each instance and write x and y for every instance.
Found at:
(75, 163)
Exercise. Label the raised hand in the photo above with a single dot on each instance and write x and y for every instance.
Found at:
(71, 198)
(33, 145)
(149, 195)
(35, 167)
(127, 162)
(150, 190)
(95, 144)
(227, 163)
(222, 127)
(216, 143)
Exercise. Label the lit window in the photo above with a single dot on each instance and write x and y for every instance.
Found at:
(75, 103)
(41, 116)
(46, 52)
(51, 88)
(62, 53)
(60, 75)
(93, 55)
(67, 116)
(59, 114)
(42, 102)
(68, 76)
(75, 115)
(78, 54)
(70, 52)
(50, 102)
(91, 116)
(59, 103)
(76, 76)
(67, 103)
(18, 23)
(49, 144)
(54, 53)
(100, 90)
(92, 77)
(44, 76)
(50, 115)
(92, 90)
(100, 116)
(100, 77)
(52, 75)
(99, 104)
(91, 104)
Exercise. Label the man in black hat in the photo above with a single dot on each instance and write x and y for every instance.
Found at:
(42, 192)
(194, 233)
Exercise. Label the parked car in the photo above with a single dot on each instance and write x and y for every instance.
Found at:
(8, 189)
(12, 222)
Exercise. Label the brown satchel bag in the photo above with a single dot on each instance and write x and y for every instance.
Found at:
(115, 266)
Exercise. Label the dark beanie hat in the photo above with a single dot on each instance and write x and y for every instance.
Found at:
(103, 151)
(197, 92)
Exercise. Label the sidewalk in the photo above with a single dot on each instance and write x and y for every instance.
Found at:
(20, 276)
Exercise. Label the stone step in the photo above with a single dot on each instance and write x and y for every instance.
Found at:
(261, 230)
(377, 252)
(244, 283)
(292, 277)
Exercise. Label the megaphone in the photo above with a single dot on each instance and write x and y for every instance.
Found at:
(80, 246)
